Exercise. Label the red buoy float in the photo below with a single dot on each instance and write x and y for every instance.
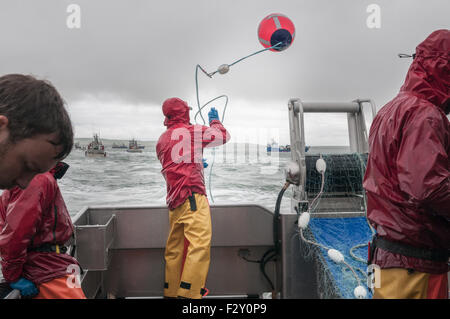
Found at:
(276, 28)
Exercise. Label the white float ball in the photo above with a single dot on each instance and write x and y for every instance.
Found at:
(336, 255)
(303, 220)
(360, 292)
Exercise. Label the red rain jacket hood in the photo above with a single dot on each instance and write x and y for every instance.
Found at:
(30, 218)
(429, 74)
(407, 178)
(176, 111)
(180, 151)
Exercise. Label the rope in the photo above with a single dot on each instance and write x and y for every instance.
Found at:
(201, 107)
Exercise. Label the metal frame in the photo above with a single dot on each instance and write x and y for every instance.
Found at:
(357, 130)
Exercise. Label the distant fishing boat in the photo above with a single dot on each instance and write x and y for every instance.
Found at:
(133, 147)
(78, 146)
(95, 148)
(274, 147)
(114, 145)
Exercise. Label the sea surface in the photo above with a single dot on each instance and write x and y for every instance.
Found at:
(134, 179)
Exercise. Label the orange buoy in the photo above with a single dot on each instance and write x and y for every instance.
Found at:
(276, 28)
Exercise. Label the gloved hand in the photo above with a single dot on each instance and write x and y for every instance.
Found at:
(213, 115)
(26, 287)
(205, 165)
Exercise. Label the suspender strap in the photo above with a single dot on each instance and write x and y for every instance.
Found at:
(192, 202)
(49, 248)
(410, 251)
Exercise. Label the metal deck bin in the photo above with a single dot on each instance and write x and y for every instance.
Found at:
(99, 237)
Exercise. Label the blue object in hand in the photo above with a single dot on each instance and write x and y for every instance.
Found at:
(213, 115)
(26, 287)
(205, 165)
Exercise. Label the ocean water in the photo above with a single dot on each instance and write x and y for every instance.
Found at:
(123, 179)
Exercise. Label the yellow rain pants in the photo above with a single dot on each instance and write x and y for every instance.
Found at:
(190, 222)
(399, 283)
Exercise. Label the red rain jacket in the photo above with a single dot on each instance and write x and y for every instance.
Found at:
(180, 151)
(30, 218)
(407, 178)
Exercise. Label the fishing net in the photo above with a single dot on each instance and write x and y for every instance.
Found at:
(344, 174)
(337, 222)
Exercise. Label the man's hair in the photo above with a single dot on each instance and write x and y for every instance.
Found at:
(34, 107)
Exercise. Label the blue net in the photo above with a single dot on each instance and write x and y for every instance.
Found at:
(332, 196)
(342, 234)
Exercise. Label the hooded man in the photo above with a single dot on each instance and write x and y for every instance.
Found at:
(34, 225)
(408, 179)
(180, 151)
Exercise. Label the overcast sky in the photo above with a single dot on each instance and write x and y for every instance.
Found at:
(127, 57)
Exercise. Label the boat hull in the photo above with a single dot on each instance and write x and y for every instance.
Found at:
(91, 154)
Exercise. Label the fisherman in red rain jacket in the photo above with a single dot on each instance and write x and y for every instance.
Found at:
(34, 225)
(180, 150)
(408, 179)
